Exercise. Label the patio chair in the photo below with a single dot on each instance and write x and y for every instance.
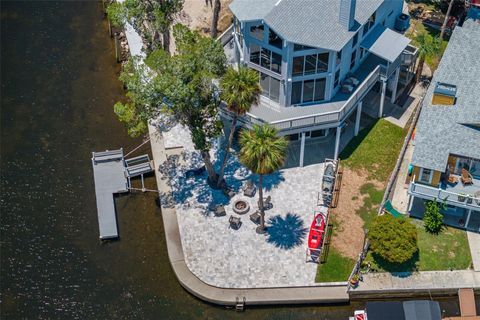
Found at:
(249, 190)
(220, 211)
(235, 222)
(267, 203)
(228, 192)
(466, 177)
(452, 179)
(255, 217)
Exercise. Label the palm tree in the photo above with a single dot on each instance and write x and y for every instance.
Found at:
(427, 45)
(217, 6)
(447, 16)
(263, 152)
(240, 89)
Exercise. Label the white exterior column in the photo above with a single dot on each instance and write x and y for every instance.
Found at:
(357, 119)
(410, 203)
(302, 149)
(382, 98)
(337, 142)
(468, 218)
(395, 85)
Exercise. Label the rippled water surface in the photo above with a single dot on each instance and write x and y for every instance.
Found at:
(58, 85)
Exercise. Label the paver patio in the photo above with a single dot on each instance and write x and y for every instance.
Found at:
(228, 258)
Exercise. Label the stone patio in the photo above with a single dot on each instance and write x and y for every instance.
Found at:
(223, 257)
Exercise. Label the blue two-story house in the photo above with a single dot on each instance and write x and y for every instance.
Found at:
(317, 60)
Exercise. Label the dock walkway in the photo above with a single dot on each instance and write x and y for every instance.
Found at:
(109, 176)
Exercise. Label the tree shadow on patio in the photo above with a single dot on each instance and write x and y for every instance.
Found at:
(286, 233)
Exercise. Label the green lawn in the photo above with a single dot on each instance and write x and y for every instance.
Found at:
(375, 149)
(447, 250)
(337, 268)
(369, 210)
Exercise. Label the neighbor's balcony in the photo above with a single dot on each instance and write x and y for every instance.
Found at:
(459, 195)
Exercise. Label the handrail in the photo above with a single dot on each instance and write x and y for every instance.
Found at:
(442, 194)
(333, 115)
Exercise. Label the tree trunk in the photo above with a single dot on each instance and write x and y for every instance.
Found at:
(260, 202)
(419, 69)
(216, 15)
(166, 40)
(227, 150)
(444, 25)
(212, 176)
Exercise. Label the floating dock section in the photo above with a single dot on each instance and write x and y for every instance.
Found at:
(109, 176)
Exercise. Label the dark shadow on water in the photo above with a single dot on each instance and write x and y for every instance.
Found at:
(286, 233)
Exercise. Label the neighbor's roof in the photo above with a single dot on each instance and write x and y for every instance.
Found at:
(308, 22)
(385, 43)
(444, 130)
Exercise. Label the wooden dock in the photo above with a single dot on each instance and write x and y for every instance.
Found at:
(109, 176)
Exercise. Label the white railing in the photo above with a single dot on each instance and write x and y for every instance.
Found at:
(332, 116)
(458, 199)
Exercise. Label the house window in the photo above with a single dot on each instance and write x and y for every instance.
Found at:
(265, 61)
(298, 66)
(337, 79)
(310, 64)
(296, 92)
(339, 57)
(355, 40)
(274, 39)
(320, 89)
(353, 59)
(426, 175)
(368, 25)
(255, 53)
(308, 91)
(266, 58)
(270, 87)
(322, 62)
(257, 32)
(299, 47)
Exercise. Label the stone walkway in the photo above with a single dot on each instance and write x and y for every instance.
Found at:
(425, 280)
(227, 258)
(474, 243)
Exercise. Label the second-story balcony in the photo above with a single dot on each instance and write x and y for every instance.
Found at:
(458, 195)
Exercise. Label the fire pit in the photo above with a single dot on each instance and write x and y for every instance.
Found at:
(241, 207)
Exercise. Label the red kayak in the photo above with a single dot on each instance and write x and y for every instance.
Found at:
(317, 229)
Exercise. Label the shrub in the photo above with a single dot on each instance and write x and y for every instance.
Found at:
(393, 239)
(433, 219)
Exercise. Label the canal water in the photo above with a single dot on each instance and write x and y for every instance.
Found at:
(58, 85)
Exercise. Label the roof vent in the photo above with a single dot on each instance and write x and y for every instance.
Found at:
(444, 94)
(347, 13)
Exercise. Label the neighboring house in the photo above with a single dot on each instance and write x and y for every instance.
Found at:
(447, 137)
(318, 59)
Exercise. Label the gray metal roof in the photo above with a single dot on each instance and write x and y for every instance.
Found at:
(385, 43)
(444, 130)
(309, 22)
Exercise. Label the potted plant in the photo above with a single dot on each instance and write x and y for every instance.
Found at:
(461, 197)
(354, 280)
